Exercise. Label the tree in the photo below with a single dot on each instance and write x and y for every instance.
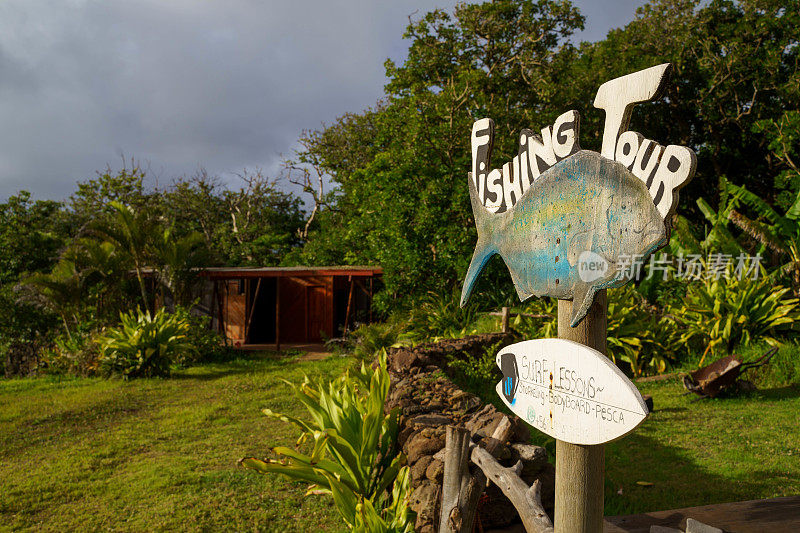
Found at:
(400, 167)
(131, 231)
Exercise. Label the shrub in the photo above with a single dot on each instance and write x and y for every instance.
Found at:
(783, 369)
(721, 314)
(145, 345)
(441, 315)
(477, 372)
(208, 345)
(370, 339)
(78, 354)
(637, 335)
(354, 455)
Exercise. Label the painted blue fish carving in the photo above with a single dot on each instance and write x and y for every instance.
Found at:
(568, 234)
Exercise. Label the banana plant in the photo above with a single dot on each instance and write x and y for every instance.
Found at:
(779, 233)
(353, 450)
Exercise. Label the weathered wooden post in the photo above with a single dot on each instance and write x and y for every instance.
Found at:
(579, 475)
(569, 224)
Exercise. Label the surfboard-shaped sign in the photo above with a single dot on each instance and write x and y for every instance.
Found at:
(569, 391)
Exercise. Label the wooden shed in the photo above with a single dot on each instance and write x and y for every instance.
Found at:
(288, 305)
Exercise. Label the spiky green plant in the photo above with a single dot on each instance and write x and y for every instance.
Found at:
(721, 314)
(441, 315)
(353, 450)
(144, 345)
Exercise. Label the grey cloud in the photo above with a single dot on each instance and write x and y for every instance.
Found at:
(223, 85)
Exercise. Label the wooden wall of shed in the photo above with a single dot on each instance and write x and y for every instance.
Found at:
(234, 310)
(306, 308)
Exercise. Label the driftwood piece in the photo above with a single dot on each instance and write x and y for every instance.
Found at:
(527, 500)
(458, 513)
(456, 465)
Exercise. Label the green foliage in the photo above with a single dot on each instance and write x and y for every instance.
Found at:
(145, 345)
(637, 335)
(369, 339)
(541, 321)
(77, 355)
(783, 368)
(477, 372)
(354, 455)
(399, 167)
(256, 224)
(721, 314)
(31, 233)
(440, 315)
(208, 345)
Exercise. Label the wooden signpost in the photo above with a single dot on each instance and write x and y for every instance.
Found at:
(564, 220)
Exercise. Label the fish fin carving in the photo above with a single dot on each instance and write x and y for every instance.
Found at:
(582, 298)
(483, 252)
(485, 247)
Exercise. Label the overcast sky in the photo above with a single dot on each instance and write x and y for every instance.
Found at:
(181, 85)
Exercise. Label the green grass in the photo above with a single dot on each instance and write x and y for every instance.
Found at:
(739, 447)
(707, 451)
(160, 454)
(155, 454)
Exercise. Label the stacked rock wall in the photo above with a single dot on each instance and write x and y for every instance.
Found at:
(429, 401)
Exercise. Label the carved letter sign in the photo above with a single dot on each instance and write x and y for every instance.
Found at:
(561, 217)
(569, 391)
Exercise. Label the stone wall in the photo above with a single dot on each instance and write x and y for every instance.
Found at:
(429, 401)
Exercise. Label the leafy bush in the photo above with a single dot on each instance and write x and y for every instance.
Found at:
(721, 314)
(78, 354)
(354, 455)
(370, 339)
(208, 345)
(637, 335)
(145, 345)
(441, 315)
(477, 372)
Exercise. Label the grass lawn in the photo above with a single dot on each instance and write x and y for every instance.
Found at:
(154, 454)
(159, 454)
(708, 451)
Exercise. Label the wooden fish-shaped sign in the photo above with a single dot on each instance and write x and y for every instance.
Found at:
(569, 222)
(569, 391)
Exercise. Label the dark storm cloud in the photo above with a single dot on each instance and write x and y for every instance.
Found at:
(222, 85)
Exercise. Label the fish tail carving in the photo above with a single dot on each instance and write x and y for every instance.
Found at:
(485, 248)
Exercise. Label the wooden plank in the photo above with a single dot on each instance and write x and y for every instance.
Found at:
(776, 515)
(617, 98)
(349, 302)
(252, 308)
(278, 315)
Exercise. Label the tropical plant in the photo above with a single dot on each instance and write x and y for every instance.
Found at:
(354, 455)
(634, 335)
(77, 355)
(145, 345)
(538, 319)
(721, 314)
(61, 290)
(369, 339)
(779, 233)
(177, 259)
(441, 315)
(131, 231)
